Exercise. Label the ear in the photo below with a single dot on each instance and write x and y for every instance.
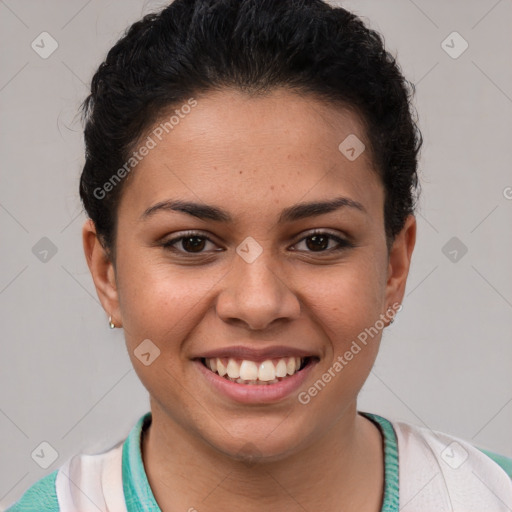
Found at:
(399, 263)
(102, 272)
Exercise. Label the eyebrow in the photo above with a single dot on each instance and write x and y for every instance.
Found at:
(290, 214)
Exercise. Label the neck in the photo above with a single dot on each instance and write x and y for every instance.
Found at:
(345, 467)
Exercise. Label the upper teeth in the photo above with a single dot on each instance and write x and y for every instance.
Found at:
(249, 370)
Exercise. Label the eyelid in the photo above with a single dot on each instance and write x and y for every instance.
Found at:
(322, 231)
(342, 240)
(171, 242)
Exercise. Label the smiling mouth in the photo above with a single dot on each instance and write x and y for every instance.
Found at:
(243, 371)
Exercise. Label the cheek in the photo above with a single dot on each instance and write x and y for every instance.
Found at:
(145, 302)
(347, 298)
(162, 302)
(163, 306)
(346, 306)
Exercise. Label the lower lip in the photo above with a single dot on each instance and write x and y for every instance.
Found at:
(254, 393)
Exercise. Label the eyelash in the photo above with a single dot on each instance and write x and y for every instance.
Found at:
(342, 243)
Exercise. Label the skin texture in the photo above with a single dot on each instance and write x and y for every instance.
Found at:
(254, 156)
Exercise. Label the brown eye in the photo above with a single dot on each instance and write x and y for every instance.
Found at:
(193, 243)
(323, 242)
(317, 242)
(190, 243)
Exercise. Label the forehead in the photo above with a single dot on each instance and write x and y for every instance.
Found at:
(259, 152)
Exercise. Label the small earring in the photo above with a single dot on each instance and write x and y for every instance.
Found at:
(391, 321)
(110, 323)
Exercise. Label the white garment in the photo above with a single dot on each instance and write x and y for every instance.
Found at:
(437, 473)
(431, 479)
(86, 483)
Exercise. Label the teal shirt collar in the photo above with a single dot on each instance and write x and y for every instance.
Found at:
(139, 496)
(137, 492)
(390, 502)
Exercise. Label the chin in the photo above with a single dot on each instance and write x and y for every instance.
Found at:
(254, 442)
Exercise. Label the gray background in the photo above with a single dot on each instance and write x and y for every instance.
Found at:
(446, 362)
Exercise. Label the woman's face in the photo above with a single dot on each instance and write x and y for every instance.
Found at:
(253, 282)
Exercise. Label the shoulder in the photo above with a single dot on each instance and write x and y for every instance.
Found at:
(86, 481)
(504, 462)
(453, 451)
(82, 479)
(434, 463)
(41, 496)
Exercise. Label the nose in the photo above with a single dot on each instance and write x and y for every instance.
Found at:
(256, 296)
